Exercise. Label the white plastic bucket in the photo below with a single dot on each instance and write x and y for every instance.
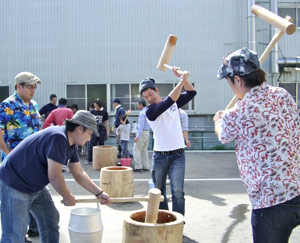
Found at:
(85, 225)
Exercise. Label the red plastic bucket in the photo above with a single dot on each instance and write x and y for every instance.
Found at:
(125, 161)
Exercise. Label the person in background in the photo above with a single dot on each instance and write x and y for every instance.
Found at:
(32, 165)
(58, 116)
(123, 132)
(103, 128)
(141, 141)
(91, 107)
(46, 109)
(119, 110)
(19, 118)
(184, 120)
(168, 151)
(266, 128)
(74, 108)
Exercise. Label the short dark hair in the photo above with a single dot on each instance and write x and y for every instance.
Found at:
(70, 126)
(123, 117)
(253, 79)
(98, 102)
(91, 105)
(53, 96)
(74, 106)
(142, 102)
(62, 101)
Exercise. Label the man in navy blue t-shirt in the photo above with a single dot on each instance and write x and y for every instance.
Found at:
(35, 162)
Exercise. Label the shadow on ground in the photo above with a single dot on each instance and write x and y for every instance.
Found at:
(238, 214)
(129, 206)
(186, 239)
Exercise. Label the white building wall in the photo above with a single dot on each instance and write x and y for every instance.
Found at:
(119, 41)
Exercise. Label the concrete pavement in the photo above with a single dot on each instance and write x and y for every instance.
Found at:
(217, 206)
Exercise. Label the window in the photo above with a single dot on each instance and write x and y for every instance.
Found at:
(76, 95)
(294, 90)
(120, 91)
(290, 87)
(292, 12)
(135, 96)
(298, 19)
(298, 92)
(96, 91)
(85, 94)
(164, 89)
(4, 92)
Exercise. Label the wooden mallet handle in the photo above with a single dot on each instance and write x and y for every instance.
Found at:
(117, 200)
(153, 205)
(186, 73)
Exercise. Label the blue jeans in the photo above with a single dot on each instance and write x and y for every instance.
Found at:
(32, 223)
(275, 224)
(15, 209)
(124, 145)
(174, 166)
(94, 142)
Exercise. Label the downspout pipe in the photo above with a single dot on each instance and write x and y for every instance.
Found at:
(251, 27)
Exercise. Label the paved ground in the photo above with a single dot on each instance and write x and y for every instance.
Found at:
(217, 207)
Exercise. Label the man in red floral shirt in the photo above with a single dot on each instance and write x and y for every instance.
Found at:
(265, 125)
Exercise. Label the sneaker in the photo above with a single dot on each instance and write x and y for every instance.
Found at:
(87, 162)
(31, 233)
(27, 241)
(64, 168)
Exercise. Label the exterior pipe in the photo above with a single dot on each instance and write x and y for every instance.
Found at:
(251, 27)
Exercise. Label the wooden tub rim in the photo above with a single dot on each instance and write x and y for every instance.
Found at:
(179, 219)
(116, 168)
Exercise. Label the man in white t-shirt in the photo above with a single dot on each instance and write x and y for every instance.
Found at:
(168, 157)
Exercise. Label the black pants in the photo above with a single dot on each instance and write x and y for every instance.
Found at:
(96, 141)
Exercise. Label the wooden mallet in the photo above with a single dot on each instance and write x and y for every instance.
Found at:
(166, 54)
(283, 25)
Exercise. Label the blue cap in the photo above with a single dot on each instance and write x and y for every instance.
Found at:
(117, 101)
(240, 62)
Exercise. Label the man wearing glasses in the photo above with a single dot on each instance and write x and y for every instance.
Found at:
(19, 118)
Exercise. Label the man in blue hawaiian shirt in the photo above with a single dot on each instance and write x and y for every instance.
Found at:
(19, 118)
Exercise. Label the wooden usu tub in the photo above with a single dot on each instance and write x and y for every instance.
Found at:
(168, 229)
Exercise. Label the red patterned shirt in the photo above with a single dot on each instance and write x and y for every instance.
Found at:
(265, 125)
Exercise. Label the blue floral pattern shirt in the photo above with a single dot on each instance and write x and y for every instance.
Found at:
(17, 120)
